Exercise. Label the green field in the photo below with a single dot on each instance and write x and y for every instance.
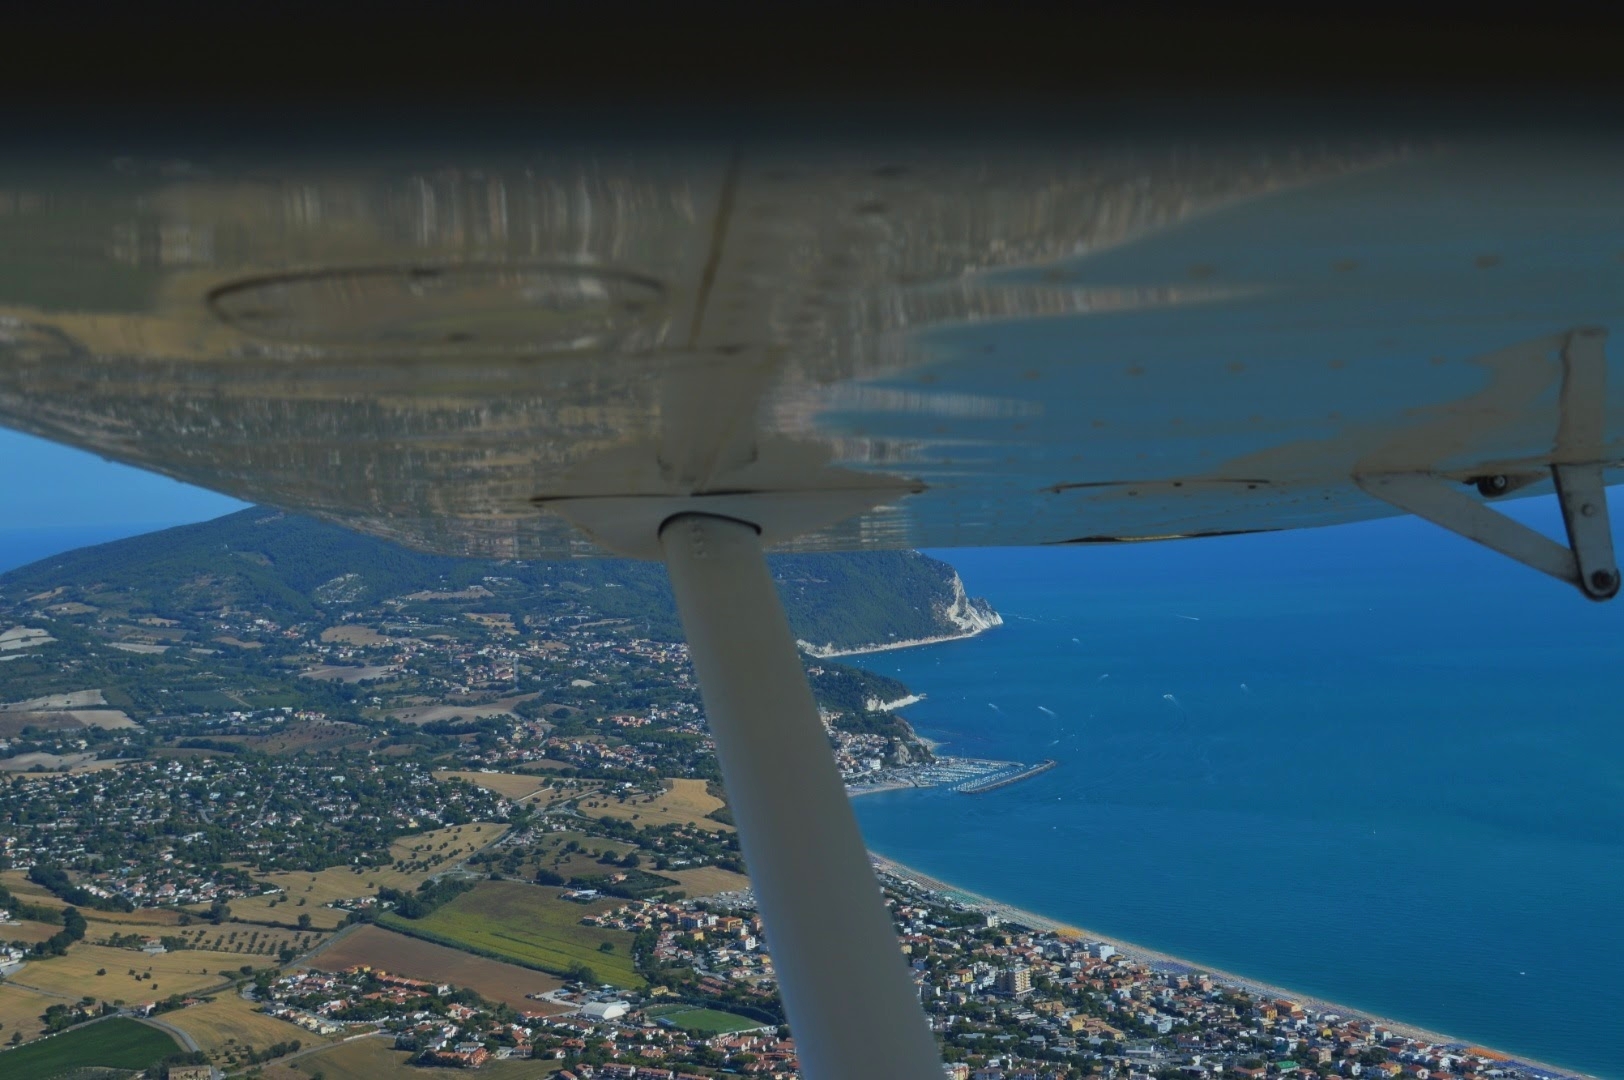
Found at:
(701, 1021)
(114, 1044)
(530, 925)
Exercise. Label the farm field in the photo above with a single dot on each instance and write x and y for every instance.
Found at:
(20, 1011)
(531, 924)
(119, 1043)
(685, 802)
(25, 930)
(701, 1021)
(526, 786)
(249, 941)
(352, 634)
(584, 861)
(398, 954)
(508, 785)
(375, 1059)
(229, 1022)
(184, 972)
(305, 735)
(350, 674)
(708, 880)
(423, 853)
(428, 714)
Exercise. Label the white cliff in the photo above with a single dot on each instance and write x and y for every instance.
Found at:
(965, 616)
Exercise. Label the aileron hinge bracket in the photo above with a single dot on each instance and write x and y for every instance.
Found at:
(1587, 561)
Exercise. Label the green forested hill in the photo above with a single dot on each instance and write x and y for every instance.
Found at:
(299, 570)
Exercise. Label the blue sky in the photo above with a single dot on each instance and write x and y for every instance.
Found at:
(47, 486)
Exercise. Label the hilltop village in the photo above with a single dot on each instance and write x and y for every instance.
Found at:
(436, 818)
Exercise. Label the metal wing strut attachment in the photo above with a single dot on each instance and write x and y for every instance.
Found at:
(1588, 560)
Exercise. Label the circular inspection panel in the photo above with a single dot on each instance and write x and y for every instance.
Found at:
(545, 308)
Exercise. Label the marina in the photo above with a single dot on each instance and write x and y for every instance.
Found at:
(1004, 778)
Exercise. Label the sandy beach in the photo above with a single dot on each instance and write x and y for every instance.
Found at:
(1168, 962)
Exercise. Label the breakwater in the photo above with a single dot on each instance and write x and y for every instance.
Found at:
(1004, 779)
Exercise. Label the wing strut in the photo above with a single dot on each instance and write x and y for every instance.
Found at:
(852, 1006)
(1588, 560)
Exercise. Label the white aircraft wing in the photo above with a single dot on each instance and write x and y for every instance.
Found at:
(895, 345)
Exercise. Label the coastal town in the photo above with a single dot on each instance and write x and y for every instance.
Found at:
(1008, 1001)
(476, 825)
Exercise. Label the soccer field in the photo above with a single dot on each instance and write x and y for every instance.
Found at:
(702, 1021)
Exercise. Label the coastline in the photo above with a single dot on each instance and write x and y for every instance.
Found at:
(822, 653)
(1156, 959)
(875, 789)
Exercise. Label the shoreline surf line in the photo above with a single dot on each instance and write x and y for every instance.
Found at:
(1157, 959)
(818, 652)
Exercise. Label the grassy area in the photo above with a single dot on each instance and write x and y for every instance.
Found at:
(229, 1022)
(701, 1021)
(684, 802)
(375, 1059)
(528, 924)
(118, 1043)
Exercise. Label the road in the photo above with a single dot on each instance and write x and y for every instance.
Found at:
(185, 1040)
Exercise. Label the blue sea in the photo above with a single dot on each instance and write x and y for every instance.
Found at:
(1374, 764)
(19, 547)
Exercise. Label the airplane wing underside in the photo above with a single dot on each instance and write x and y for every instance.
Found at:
(891, 346)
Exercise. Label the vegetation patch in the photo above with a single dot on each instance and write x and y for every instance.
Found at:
(118, 1043)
